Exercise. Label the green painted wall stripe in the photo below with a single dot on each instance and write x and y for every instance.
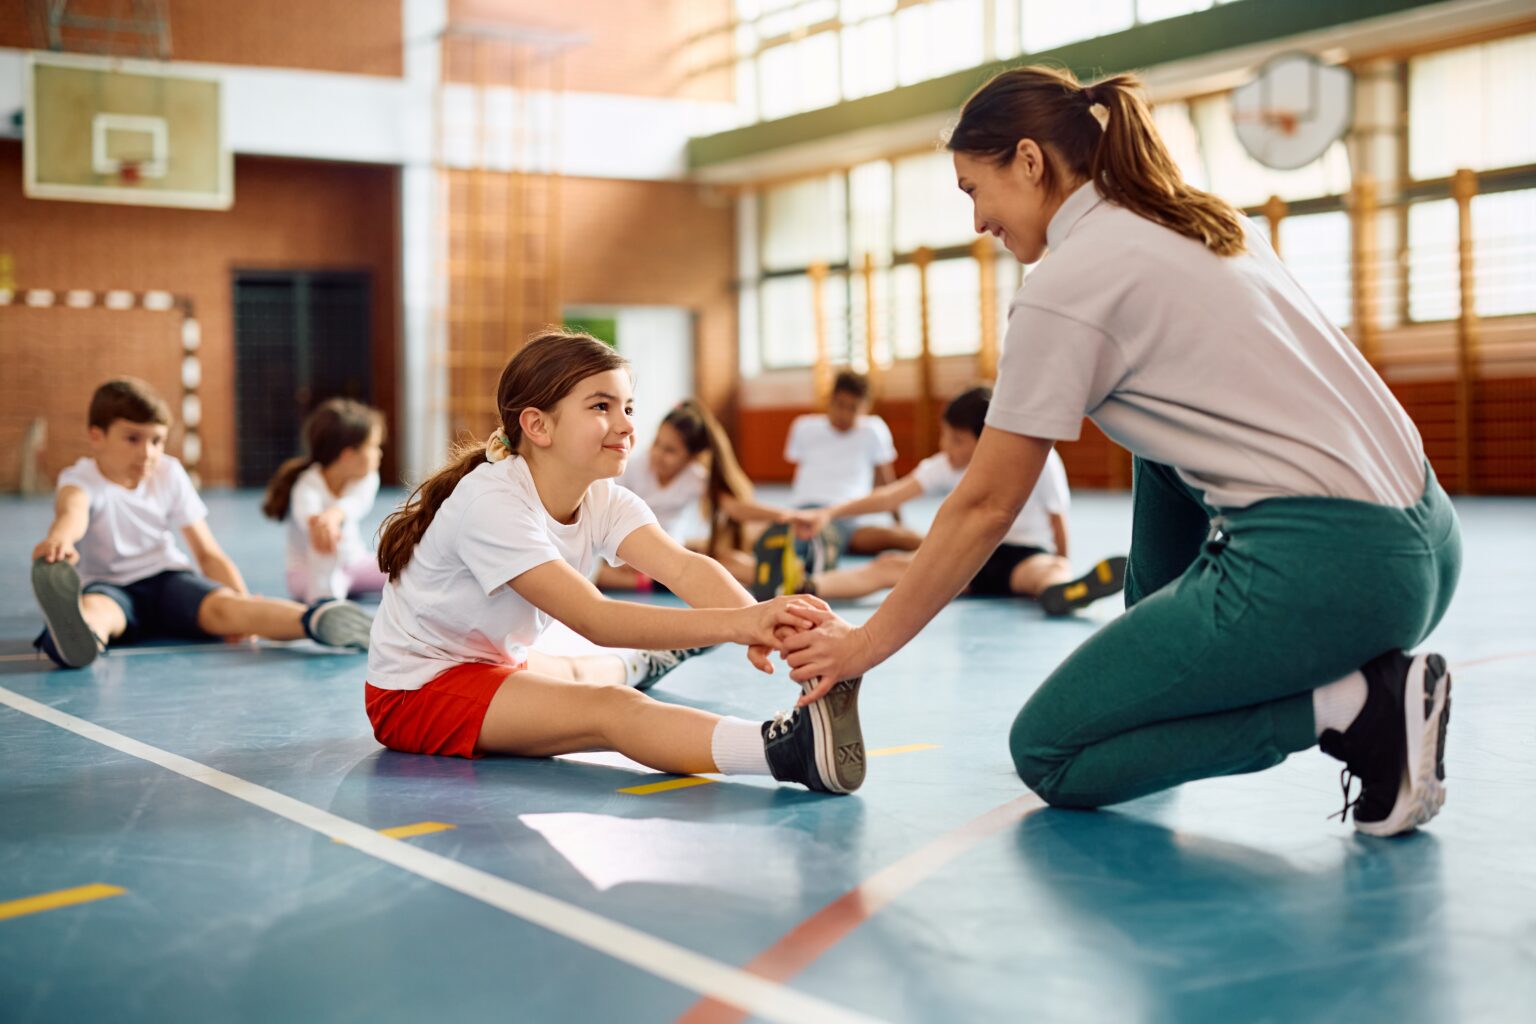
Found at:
(1161, 42)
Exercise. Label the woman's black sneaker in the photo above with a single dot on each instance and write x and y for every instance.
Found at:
(1396, 745)
(820, 745)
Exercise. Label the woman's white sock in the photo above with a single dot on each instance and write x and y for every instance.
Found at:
(737, 747)
(1338, 704)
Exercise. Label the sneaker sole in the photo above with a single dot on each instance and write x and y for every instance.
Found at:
(1427, 712)
(839, 738)
(772, 555)
(56, 585)
(343, 625)
(1104, 579)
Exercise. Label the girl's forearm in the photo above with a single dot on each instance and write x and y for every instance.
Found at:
(627, 624)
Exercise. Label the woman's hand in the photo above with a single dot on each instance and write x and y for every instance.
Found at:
(771, 621)
(833, 651)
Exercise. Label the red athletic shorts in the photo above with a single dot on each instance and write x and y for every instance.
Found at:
(443, 717)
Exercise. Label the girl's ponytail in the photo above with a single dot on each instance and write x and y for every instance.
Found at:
(280, 487)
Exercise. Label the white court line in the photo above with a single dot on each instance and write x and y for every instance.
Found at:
(192, 648)
(683, 967)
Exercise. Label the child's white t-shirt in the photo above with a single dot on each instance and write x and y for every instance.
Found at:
(673, 501)
(833, 466)
(312, 496)
(451, 604)
(1219, 366)
(132, 533)
(1032, 528)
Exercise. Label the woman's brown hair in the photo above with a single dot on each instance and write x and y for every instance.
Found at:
(701, 433)
(546, 370)
(336, 425)
(1125, 157)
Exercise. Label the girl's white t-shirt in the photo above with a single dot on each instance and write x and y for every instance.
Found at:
(1032, 528)
(451, 604)
(131, 534)
(1219, 366)
(673, 501)
(312, 496)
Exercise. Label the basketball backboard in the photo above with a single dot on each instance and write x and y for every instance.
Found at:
(105, 130)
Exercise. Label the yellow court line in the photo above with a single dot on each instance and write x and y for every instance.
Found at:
(421, 828)
(662, 787)
(908, 749)
(61, 898)
(689, 781)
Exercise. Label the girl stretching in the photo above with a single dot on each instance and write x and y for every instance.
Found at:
(323, 496)
(501, 541)
(1290, 542)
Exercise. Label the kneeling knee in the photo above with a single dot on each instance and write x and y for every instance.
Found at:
(1041, 765)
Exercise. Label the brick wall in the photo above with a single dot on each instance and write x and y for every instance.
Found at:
(663, 244)
(288, 214)
(360, 37)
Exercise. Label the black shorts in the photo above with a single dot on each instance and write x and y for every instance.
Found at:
(991, 580)
(160, 606)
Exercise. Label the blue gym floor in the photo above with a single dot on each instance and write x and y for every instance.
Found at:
(208, 787)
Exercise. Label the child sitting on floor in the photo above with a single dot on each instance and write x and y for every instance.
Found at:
(116, 515)
(323, 496)
(1030, 562)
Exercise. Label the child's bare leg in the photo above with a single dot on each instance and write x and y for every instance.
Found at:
(599, 669)
(844, 584)
(104, 616)
(535, 715)
(226, 613)
(1037, 572)
(870, 540)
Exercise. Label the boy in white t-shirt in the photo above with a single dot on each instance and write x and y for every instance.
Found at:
(1031, 561)
(843, 455)
(116, 515)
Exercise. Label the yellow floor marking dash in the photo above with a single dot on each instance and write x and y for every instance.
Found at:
(662, 787)
(908, 749)
(61, 898)
(421, 828)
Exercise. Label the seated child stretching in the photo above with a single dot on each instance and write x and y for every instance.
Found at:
(499, 542)
(323, 496)
(1030, 562)
(116, 514)
(692, 462)
(843, 455)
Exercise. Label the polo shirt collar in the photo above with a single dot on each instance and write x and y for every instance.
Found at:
(1071, 211)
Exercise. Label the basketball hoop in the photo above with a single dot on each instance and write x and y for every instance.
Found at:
(129, 173)
(1293, 110)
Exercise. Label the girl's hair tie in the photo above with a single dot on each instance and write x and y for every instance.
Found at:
(497, 447)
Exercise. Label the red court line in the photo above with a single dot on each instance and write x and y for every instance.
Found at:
(807, 941)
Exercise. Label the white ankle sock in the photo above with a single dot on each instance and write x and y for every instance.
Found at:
(634, 666)
(1338, 704)
(737, 747)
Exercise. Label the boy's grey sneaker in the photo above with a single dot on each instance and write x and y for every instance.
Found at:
(338, 623)
(68, 639)
(655, 664)
(1396, 745)
(820, 745)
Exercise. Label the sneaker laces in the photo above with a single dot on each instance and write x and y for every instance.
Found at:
(782, 722)
(1345, 777)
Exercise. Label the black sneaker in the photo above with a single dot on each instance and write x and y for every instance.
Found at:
(337, 623)
(821, 745)
(68, 639)
(1104, 579)
(1396, 745)
(655, 664)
